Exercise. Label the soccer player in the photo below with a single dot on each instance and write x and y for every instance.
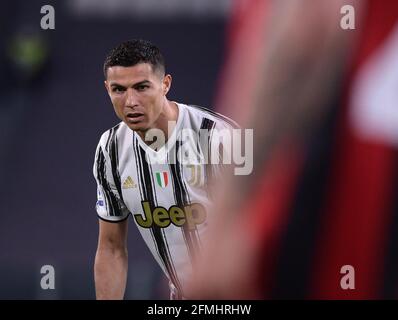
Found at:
(141, 169)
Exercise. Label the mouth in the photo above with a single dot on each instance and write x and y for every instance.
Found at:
(134, 117)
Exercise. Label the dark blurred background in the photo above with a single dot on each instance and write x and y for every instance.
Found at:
(53, 109)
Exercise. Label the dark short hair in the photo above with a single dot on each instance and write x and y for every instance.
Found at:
(132, 52)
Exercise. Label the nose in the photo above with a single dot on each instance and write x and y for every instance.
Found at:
(131, 99)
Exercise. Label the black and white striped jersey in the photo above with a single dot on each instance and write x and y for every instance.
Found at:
(166, 195)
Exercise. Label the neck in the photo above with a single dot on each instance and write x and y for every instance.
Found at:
(169, 114)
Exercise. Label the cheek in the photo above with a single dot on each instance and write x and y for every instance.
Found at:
(157, 106)
(117, 103)
(152, 102)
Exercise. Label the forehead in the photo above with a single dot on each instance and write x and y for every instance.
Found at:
(130, 75)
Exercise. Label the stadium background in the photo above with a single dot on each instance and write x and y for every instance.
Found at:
(53, 108)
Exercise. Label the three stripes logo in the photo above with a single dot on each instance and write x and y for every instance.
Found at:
(129, 183)
(162, 179)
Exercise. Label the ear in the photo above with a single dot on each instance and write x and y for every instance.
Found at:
(167, 83)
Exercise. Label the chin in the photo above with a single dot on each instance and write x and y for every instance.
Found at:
(137, 126)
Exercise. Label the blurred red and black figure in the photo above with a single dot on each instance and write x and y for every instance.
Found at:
(323, 191)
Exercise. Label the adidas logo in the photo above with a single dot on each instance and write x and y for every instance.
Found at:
(129, 183)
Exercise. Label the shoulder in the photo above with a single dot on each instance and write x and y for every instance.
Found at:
(110, 137)
(208, 118)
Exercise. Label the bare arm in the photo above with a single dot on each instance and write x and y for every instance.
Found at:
(110, 268)
(303, 57)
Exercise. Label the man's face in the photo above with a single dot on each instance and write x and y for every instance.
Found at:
(137, 94)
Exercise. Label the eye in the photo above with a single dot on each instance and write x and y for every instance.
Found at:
(142, 87)
(118, 89)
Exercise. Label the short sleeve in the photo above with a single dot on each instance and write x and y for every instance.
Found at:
(109, 206)
(220, 155)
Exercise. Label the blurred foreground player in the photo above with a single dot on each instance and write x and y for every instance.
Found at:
(144, 166)
(323, 192)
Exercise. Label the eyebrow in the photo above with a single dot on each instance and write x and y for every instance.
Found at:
(115, 84)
